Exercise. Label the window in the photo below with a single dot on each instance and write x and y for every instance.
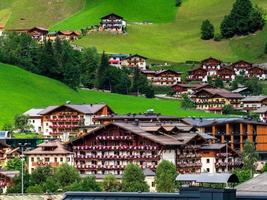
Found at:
(33, 121)
(153, 184)
(208, 169)
(32, 159)
(208, 160)
(68, 159)
(55, 159)
(47, 159)
(61, 159)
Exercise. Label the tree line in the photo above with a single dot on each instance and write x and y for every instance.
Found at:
(60, 61)
(67, 178)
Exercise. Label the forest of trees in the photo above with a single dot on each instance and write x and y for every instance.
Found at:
(60, 61)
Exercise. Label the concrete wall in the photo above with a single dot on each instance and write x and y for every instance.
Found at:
(31, 197)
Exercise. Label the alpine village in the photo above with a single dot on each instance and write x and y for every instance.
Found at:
(144, 99)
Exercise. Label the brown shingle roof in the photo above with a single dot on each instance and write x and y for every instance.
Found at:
(60, 149)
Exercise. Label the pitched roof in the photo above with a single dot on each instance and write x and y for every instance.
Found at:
(239, 90)
(215, 146)
(211, 59)
(220, 92)
(34, 112)
(256, 184)
(83, 108)
(113, 15)
(136, 55)
(144, 130)
(59, 149)
(39, 28)
(160, 72)
(254, 98)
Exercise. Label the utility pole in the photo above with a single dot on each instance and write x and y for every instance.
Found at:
(22, 165)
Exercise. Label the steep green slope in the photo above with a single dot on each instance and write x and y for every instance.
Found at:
(44, 13)
(155, 11)
(21, 90)
(180, 40)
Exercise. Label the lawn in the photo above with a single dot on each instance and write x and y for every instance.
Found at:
(44, 13)
(179, 41)
(21, 90)
(154, 11)
(26, 135)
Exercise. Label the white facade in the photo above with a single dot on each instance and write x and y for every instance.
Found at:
(36, 124)
(169, 155)
(208, 164)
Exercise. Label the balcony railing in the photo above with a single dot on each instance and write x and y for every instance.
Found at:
(118, 157)
(109, 167)
(122, 147)
(114, 137)
(184, 164)
(64, 126)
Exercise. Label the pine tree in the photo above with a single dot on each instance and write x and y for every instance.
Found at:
(265, 49)
(101, 73)
(207, 30)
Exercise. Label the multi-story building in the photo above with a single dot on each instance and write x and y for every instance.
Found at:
(134, 61)
(38, 33)
(35, 119)
(257, 72)
(52, 153)
(68, 35)
(234, 131)
(214, 100)
(65, 120)
(162, 77)
(189, 89)
(112, 23)
(109, 148)
(262, 112)
(218, 158)
(251, 103)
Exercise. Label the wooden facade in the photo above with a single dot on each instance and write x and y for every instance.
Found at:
(38, 33)
(110, 148)
(112, 23)
(163, 77)
(134, 61)
(188, 88)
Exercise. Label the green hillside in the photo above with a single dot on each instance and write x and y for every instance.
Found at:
(28, 13)
(21, 90)
(180, 40)
(155, 11)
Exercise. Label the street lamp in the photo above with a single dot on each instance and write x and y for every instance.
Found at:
(22, 145)
(227, 159)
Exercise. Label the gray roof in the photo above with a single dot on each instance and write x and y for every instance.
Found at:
(148, 172)
(34, 112)
(258, 183)
(239, 90)
(83, 108)
(208, 178)
(262, 109)
(254, 98)
(213, 146)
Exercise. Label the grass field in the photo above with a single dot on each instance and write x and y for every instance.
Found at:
(180, 40)
(44, 13)
(155, 11)
(21, 90)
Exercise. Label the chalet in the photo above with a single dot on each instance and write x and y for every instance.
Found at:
(211, 64)
(163, 77)
(64, 120)
(112, 23)
(134, 61)
(198, 74)
(241, 67)
(262, 112)
(181, 88)
(116, 59)
(226, 74)
(51, 153)
(6, 179)
(68, 35)
(35, 119)
(214, 100)
(38, 33)
(234, 131)
(219, 158)
(253, 102)
(109, 148)
(257, 72)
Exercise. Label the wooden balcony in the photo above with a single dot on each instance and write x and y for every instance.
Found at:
(122, 147)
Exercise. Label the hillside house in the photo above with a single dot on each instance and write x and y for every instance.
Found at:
(214, 100)
(250, 103)
(38, 33)
(51, 153)
(257, 72)
(241, 67)
(65, 120)
(35, 119)
(189, 89)
(162, 77)
(226, 74)
(1, 29)
(134, 61)
(112, 23)
(68, 35)
(116, 59)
